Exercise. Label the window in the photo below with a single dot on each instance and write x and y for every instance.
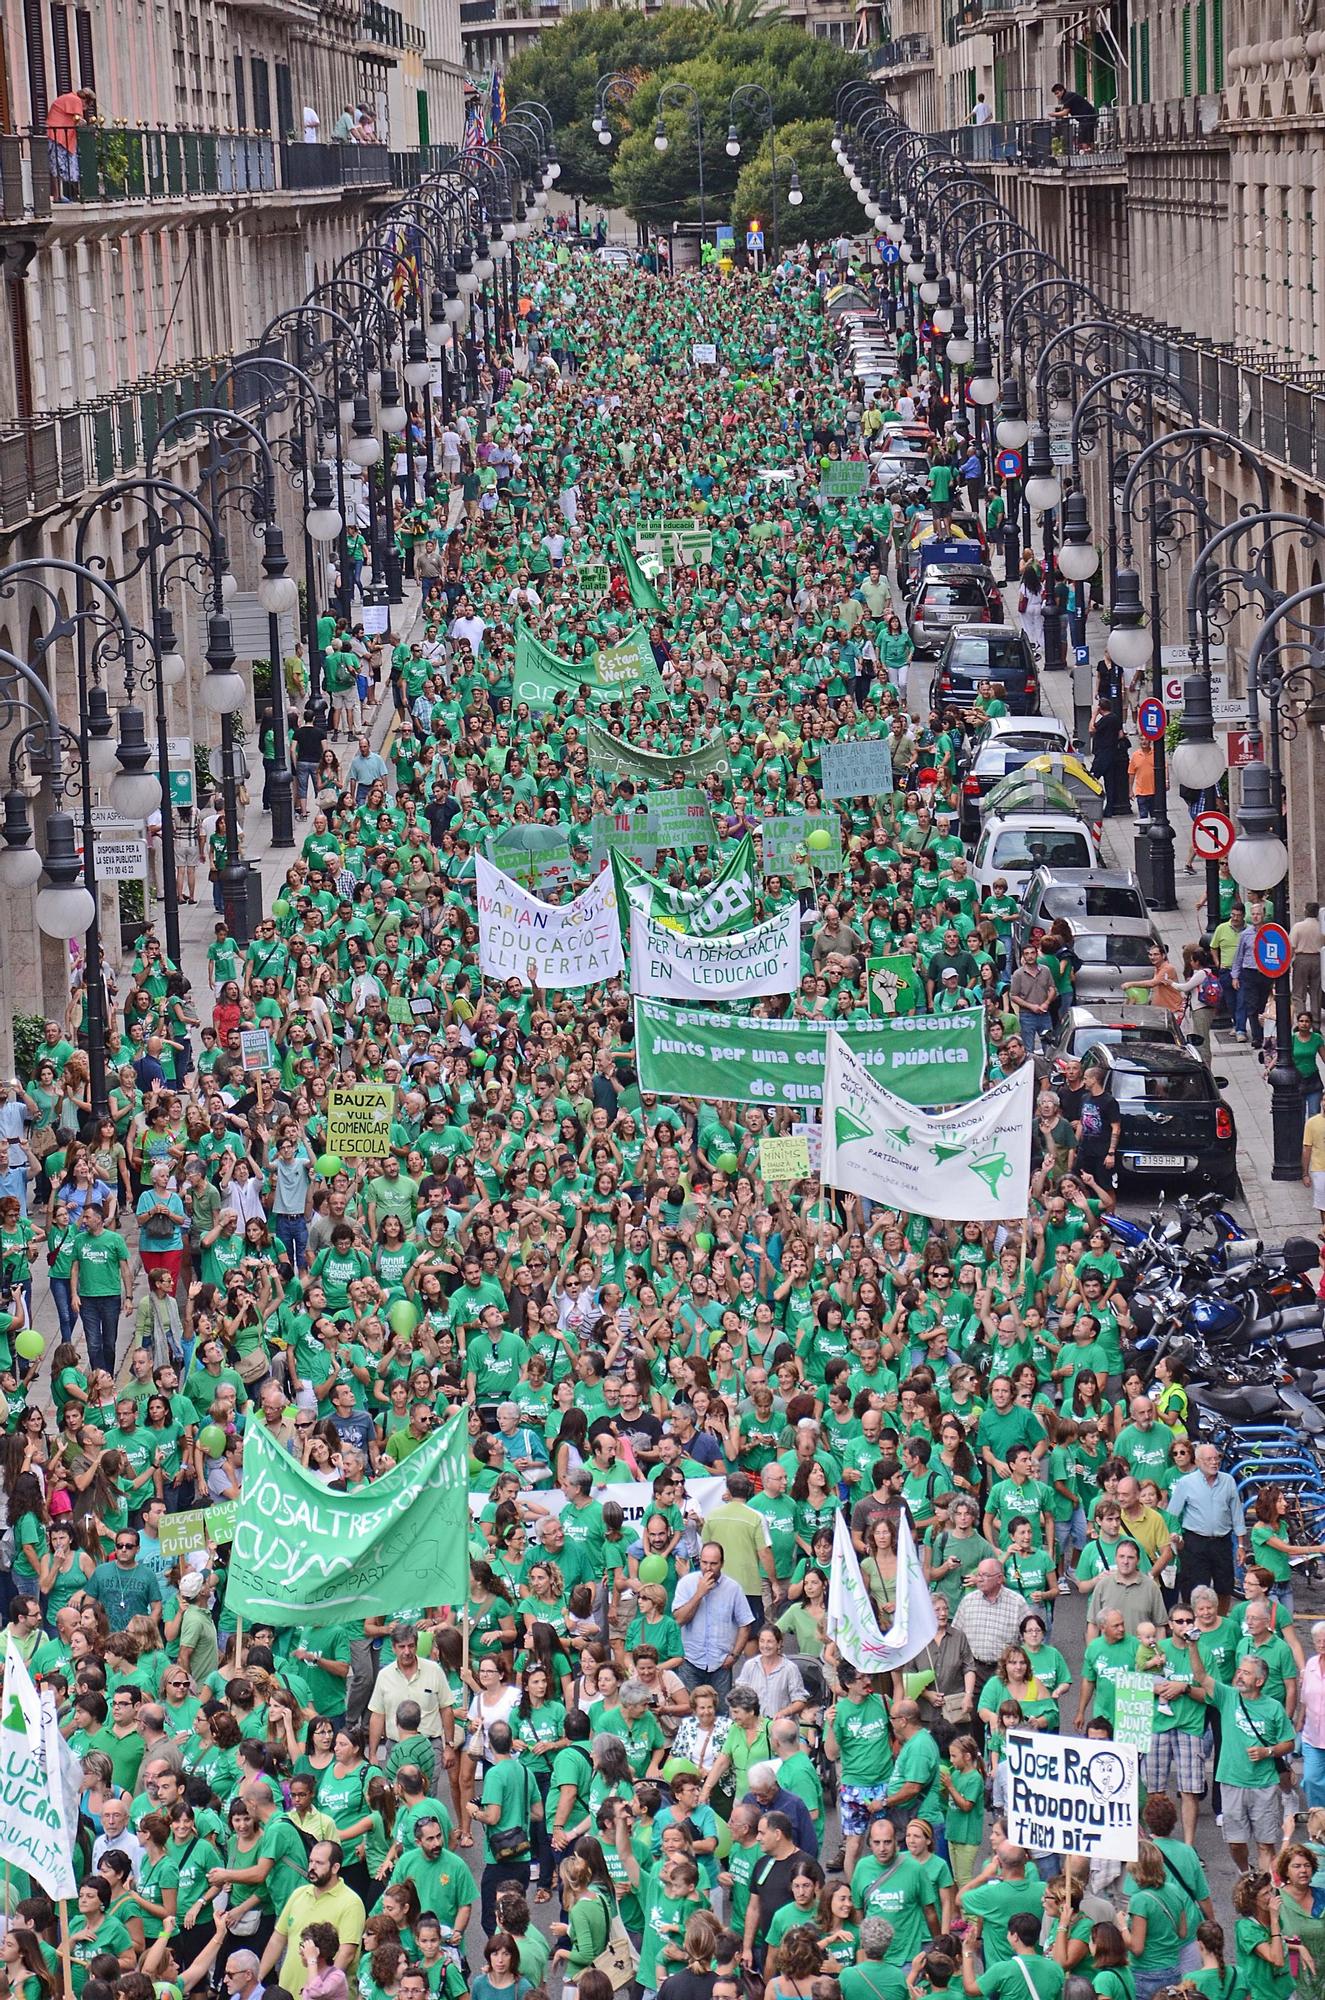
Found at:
(1202, 64)
(87, 73)
(1144, 98)
(64, 76)
(1217, 44)
(1186, 51)
(261, 95)
(1020, 848)
(241, 94)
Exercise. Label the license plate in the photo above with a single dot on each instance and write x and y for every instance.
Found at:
(1157, 1160)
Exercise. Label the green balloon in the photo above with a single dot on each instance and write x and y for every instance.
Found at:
(30, 1344)
(212, 1439)
(403, 1317)
(703, 1240)
(328, 1165)
(653, 1569)
(727, 1163)
(478, 1059)
(280, 909)
(724, 1846)
(819, 840)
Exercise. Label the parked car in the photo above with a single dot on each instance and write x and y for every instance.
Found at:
(1089, 897)
(1116, 1024)
(1110, 955)
(975, 653)
(1175, 1127)
(1015, 848)
(964, 594)
(999, 746)
(1049, 780)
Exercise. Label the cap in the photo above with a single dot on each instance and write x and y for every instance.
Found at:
(190, 1585)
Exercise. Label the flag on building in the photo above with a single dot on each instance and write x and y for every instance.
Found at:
(851, 1621)
(36, 1831)
(475, 135)
(497, 109)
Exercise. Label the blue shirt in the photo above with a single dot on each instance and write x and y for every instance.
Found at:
(710, 1636)
(1207, 1506)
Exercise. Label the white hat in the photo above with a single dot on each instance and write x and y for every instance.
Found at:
(191, 1585)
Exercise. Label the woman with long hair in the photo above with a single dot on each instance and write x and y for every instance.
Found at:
(539, 1723)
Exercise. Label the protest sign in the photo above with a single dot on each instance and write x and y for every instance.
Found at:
(721, 905)
(682, 819)
(783, 839)
(680, 543)
(626, 834)
(813, 1135)
(200, 1528)
(611, 674)
(688, 1052)
(856, 768)
(359, 1120)
(743, 965)
(255, 1050)
(785, 1159)
(594, 579)
(968, 1165)
(844, 478)
(570, 944)
(1134, 1710)
(612, 757)
(304, 1555)
(894, 985)
(1067, 1795)
(36, 1831)
(539, 857)
(703, 353)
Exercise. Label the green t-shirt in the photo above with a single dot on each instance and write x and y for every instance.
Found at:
(98, 1261)
(1250, 1721)
(1005, 1981)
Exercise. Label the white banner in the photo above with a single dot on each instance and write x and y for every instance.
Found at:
(633, 1497)
(569, 944)
(1067, 1795)
(35, 1832)
(968, 1165)
(743, 965)
(851, 1620)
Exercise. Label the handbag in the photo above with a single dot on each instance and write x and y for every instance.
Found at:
(618, 1961)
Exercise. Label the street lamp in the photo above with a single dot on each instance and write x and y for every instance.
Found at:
(134, 790)
(65, 908)
(1044, 489)
(1198, 760)
(1078, 558)
(733, 143)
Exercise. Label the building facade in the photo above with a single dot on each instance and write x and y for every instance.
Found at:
(1190, 206)
(205, 197)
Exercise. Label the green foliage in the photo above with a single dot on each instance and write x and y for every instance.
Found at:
(29, 1034)
(710, 46)
(829, 208)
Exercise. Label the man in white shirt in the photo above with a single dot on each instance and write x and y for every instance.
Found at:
(312, 125)
(982, 115)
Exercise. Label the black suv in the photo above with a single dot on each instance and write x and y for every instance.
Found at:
(1176, 1128)
(975, 653)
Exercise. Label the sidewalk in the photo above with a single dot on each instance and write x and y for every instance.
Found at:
(1275, 1209)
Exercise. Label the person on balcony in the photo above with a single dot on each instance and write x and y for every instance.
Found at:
(1071, 105)
(67, 112)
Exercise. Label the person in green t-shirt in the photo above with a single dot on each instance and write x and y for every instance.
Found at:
(100, 1286)
(1018, 1970)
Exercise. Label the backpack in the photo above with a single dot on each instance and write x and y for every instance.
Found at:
(1209, 993)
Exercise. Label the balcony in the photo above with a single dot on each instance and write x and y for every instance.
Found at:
(125, 166)
(50, 461)
(1044, 145)
(1277, 408)
(382, 27)
(906, 53)
(987, 17)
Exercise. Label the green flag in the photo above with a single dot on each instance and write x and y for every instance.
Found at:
(612, 674)
(612, 757)
(303, 1555)
(642, 593)
(727, 903)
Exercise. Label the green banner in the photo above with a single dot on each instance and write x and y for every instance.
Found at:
(928, 1059)
(844, 478)
(304, 1555)
(642, 593)
(785, 850)
(727, 903)
(613, 674)
(612, 757)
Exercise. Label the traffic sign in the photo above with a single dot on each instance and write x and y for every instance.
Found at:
(181, 787)
(754, 239)
(1152, 719)
(1060, 444)
(1213, 833)
(1272, 951)
(891, 254)
(1081, 654)
(1008, 464)
(1244, 747)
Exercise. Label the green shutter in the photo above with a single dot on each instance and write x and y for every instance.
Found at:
(1082, 70)
(421, 97)
(1131, 64)
(1202, 64)
(1217, 44)
(1186, 51)
(1145, 63)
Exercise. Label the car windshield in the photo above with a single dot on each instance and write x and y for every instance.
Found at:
(977, 656)
(1160, 1086)
(1025, 848)
(1092, 899)
(1095, 950)
(1121, 1036)
(953, 593)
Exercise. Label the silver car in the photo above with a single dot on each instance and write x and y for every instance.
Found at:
(1111, 956)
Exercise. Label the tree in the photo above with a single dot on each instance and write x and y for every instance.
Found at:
(711, 44)
(741, 13)
(829, 208)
